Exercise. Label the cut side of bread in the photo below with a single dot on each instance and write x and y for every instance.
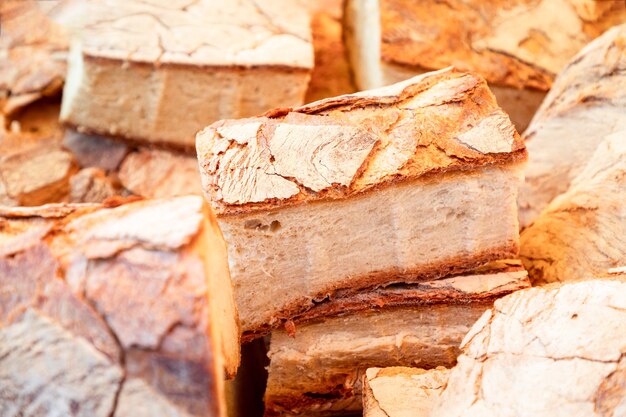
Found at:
(401, 391)
(152, 73)
(139, 292)
(362, 190)
(316, 366)
(555, 351)
(582, 233)
(518, 47)
(575, 117)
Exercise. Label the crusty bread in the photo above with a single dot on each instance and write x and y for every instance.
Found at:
(156, 173)
(575, 117)
(317, 369)
(582, 233)
(331, 74)
(138, 292)
(544, 352)
(32, 54)
(517, 46)
(401, 391)
(351, 192)
(158, 72)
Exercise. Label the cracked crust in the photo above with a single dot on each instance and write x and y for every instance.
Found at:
(586, 104)
(342, 146)
(520, 44)
(564, 347)
(581, 234)
(199, 33)
(35, 376)
(132, 282)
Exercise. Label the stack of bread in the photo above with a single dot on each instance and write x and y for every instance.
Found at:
(534, 340)
(358, 231)
(364, 247)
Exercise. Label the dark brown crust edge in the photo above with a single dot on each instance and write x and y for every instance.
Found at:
(350, 295)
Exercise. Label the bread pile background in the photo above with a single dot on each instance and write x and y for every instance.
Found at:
(312, 208)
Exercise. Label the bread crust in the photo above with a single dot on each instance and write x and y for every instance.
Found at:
(274, 33)
(366, 292)
(520, 44)
(339, 147)
(340, 390)
(96, 270)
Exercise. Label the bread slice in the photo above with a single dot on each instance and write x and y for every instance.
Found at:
(401, 391)
(139, 292)
(157, 72)
(558, 351)
(582, 233)
(360, 190)
(316, 366)
(517, 46)
(574, 119)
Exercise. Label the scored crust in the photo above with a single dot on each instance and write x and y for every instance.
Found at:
(334, 148)
(199, 33)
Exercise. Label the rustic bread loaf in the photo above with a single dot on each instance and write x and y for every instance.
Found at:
(586, 103)
(158, 72)
(517, 46)
(582, 233)
(316, 366)
(557, 351)
(360, 190)
(103, 307)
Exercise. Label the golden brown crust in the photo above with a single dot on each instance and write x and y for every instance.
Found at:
(521, 44)
(331, 73)
(339, 147)
(367, 293)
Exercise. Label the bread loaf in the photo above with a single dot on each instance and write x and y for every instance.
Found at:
(586, 103)
(158, 72)
(582, 233)
(517, 46)
(558, 351)
(316, 364)
(124, 310)
(360, 190)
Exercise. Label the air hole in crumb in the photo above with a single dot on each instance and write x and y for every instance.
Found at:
(275, 225)
(574, 316)
(256, 224)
